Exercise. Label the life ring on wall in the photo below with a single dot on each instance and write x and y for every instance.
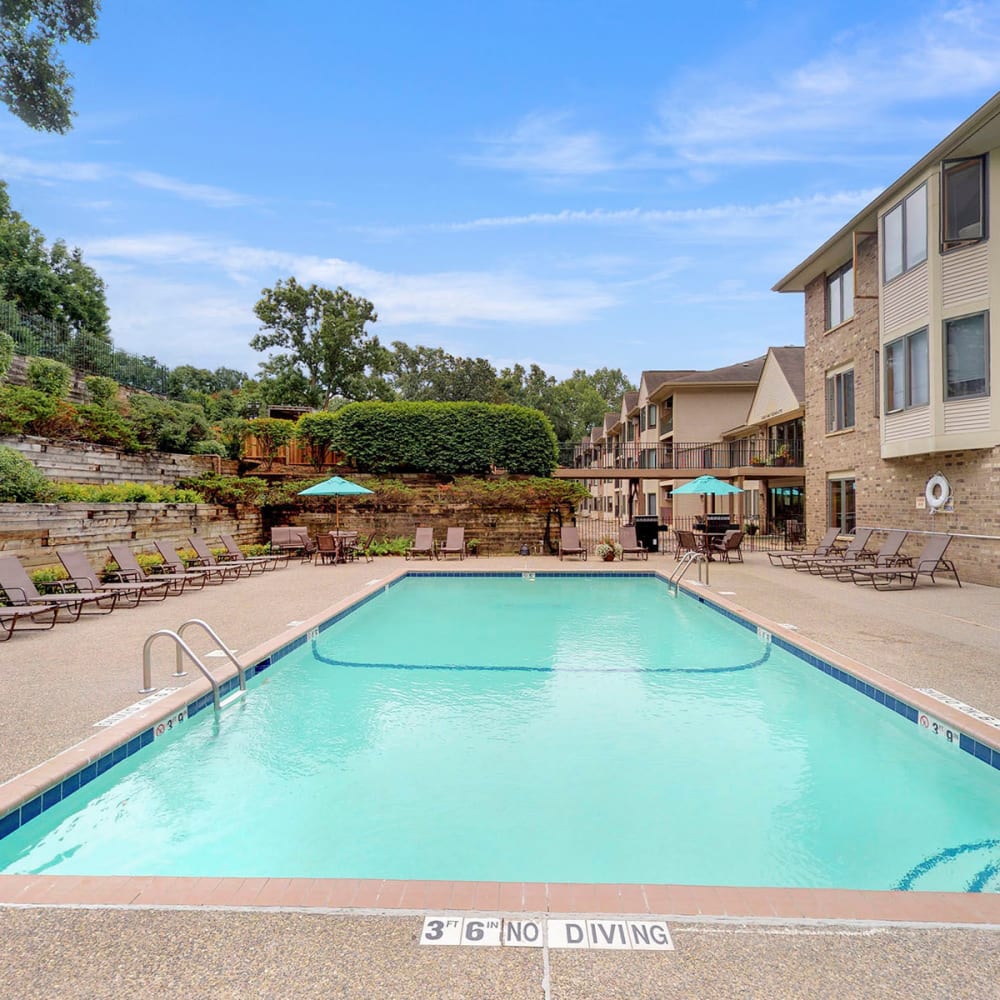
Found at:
(937, 492)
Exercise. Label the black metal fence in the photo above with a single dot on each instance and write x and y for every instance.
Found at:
(685, 455)
(45, 338)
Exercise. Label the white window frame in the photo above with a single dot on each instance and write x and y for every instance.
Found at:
(979, 393)
(910, 256)
(837, 397)
(839, 306)
(906, 345)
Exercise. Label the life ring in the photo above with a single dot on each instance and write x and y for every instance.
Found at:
(937, 492)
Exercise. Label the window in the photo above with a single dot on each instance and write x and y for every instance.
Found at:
(966, 361)
(907, 368)
(840, 502)
(840, 401)
(652, 414)
(963, 201)
(904, 234)
(642, 421)
(651, 503)
(840, 296)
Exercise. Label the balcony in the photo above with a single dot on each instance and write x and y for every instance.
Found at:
(694, 456)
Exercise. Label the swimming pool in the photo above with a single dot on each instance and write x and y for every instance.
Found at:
(555, 729)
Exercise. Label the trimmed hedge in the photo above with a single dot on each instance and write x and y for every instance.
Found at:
(447, 438)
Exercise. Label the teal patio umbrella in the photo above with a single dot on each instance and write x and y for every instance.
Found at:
(708, 486)
(336, 487)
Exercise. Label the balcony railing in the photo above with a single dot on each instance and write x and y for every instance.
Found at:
(687, 455)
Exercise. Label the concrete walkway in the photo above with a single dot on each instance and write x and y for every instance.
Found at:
(54, 686)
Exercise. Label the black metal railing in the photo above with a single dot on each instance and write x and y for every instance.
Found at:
(685, 455)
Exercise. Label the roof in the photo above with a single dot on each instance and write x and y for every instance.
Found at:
(792, 362)
(654, 379)
(630, 401)
(980, 131)
(741, 372)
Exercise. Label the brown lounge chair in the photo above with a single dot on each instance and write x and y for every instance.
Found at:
(82, 574)
(887, 555)
(929, 562)
(687, 541)
(21, 592)
(826, 546)
(853, 552)
(129, 570)
(41, 616)
(235, 554)
(630, 544)
(176, 566)
(422, 544)
(727, 548)
(206, 559)
(569, 542)
(454, 544)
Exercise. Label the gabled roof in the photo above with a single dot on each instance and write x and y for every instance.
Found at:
(792, 361)
(747, 372)
(630, 401)
(654, 379)
(978, 133)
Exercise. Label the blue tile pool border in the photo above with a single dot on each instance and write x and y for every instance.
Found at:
(49, 797)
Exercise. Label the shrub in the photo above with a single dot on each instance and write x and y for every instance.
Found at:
(20, 481)
(123, 493)
(6, 353)
(209, 447)
(318, 434)
(271, 433)
(103, 390)
(50, 377)
(166, 426)
(228, 490)
(22, 410)
(232, 432)
(105, 425)
(390, 546)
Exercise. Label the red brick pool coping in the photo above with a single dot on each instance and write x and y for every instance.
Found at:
(365, 895)
(724, 902)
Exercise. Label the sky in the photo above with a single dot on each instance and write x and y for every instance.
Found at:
(574, 185)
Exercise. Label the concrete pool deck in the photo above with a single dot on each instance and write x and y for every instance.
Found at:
(58, 684)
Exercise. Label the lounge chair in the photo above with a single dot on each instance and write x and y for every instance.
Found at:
(853, 552)
(929, 562)
(630, 544)
(687, 541)
(129, 570)
(289, 539)
(887, 555)
(176, 566)
(21, 592)
(569, 542)
(206, 558)
(454, 544)
(825, 547)
(422, 544)
(235, 554)
(41, 616)
(728, 548)
(82, 574)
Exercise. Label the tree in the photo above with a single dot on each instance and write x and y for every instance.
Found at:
(328, 347)
(34, 81)
(430, 373)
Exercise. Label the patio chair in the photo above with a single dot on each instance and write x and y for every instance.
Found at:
(21, 592)
(235, 554)
(929, 562)
(853, 552)
(687, 541)
(364, 548)
(728, 547)
(82, 574)
(129, 570)
(176, 566)
(569, 542)
(327, 550)
(206, 558)
(887, 555)
(422, 544)
(824, 548)
(42, 616)
(630, 544)
(454, 544)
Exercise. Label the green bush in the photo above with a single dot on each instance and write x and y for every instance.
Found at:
(390, 546)
(166, 426)
(228, 490)
(209, 447)
(103, 390)
(318, 434)
(20, 481)
(50, 377)
(271, 433)
(104, 424)
(23, 410)
(447, 438)
(7, 352)
(232, 432)
(123, 493)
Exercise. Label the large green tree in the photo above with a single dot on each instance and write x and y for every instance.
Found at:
(34, 81)
(430, 373)
(328, 350)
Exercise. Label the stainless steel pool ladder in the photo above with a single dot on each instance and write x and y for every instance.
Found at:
(182, 648)
(687, 560)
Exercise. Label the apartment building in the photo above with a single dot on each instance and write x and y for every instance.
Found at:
(902, 363)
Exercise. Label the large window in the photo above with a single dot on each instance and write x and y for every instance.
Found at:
(963, 201)
(840, 296)
(966, 356)
(651, 410)
(840, 400)
(907, 368)
(840, 502)
(904, 234)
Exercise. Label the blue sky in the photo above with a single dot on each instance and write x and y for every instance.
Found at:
(570, 184)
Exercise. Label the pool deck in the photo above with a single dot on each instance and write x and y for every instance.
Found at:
(357, 938)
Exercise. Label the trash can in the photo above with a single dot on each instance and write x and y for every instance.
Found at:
(647, 531)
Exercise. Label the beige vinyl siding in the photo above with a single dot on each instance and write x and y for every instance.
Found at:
(963, 416)
(908, 424)
(965, 277)
(906, 301)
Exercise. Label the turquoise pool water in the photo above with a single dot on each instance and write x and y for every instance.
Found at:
(575, 729)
